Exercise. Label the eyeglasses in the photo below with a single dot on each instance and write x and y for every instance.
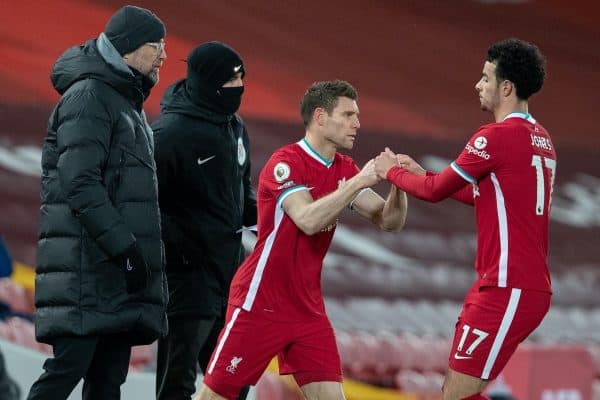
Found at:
(158, 46)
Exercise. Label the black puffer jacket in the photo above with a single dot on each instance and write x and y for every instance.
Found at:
(205, 194)
(99, 196)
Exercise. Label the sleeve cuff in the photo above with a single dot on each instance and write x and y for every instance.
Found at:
(393, 172)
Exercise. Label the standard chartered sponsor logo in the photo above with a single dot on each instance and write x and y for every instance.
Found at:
(480, 153)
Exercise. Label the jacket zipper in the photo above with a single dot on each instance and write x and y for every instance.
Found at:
(117, 180)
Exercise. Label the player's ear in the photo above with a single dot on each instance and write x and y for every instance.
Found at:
(319, 116)
(507, 88)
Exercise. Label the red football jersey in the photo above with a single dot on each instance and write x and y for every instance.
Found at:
(282, 276)
(511, 165)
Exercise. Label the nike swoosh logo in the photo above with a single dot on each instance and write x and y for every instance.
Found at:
(461, 357)
(201, 161)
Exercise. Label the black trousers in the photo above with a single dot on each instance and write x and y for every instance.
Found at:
(190, 343)
(102, 361)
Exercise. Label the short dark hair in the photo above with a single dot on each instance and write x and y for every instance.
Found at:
(325, 95)
(520, 62)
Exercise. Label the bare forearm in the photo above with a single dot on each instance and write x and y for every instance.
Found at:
(324, 211)
(393, 215)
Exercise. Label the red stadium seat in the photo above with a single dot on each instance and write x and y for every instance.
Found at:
(5, 332)
(141, 356)
(391, 355)
(21, 331)
(434, 381)
(594, 351)
(411, 381)
(14, 296)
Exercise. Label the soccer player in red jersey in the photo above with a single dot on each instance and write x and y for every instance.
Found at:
(275, 302)
(506, 171)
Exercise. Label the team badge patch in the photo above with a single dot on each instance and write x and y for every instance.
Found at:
(480, 142)
(241, 152)
(281, 172)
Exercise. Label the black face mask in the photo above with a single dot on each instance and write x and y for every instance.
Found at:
(223, 100)
(228, 99)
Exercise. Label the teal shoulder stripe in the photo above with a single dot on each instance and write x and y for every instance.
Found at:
(289, 191)
(462, 173)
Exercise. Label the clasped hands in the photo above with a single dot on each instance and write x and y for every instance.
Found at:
(388, 159)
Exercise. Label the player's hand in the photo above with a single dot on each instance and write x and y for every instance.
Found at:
(384, 162)
(367, 175)
(407, 163)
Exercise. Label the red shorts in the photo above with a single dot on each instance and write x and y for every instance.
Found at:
(249, 341)
(491, 325)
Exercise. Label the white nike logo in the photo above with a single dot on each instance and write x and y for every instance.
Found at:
(461, 357)
(236, 69)
(201, 161)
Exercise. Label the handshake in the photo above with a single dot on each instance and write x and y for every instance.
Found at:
(377, 169)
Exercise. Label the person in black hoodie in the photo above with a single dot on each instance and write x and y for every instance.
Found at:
(206, 198)
(100, 282)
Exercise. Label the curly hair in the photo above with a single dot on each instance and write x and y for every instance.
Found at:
(520, 62)
(325, 95)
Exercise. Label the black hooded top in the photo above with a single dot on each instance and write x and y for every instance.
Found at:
(205, 194)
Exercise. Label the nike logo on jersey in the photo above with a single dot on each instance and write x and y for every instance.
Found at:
(461, 357)
(207, 159)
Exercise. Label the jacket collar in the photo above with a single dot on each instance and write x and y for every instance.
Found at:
(111, 55)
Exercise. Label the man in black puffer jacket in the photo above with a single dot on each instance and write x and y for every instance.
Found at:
(100, 282)
(205, 195)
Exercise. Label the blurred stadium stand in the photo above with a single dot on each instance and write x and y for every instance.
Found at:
(393, 298)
